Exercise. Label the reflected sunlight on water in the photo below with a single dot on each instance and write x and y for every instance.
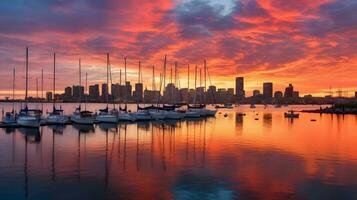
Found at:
(261, 155)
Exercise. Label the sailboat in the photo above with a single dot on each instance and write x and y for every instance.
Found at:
(155, 112)
(10, 117)
(56, 116)
(207, 112)
(123, 112)
(79, 116)
(28, 117)
(171, 112)
(195, 110)
(105, 115)
(141, 114)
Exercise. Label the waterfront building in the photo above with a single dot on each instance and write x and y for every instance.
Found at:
(67, 96)
(78, 91)
(268, 92)
(138, 93)
(289, 91)
(94, 92)
(49, 96)
(240, 93)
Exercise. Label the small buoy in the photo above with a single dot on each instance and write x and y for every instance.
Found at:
(225, 115)
(219, 112)
(256, 118)
(313, 120)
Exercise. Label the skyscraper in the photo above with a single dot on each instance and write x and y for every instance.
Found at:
(78, 92)
(94, 92)
(67, 94)
(138, 93)
(289, 91)
(240, 88)
(268, 92)
(105, 91)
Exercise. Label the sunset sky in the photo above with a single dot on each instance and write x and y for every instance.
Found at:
(312, 44)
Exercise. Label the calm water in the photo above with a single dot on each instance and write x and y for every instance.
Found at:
(258, 156)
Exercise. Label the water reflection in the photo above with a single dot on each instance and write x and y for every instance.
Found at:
(234, 157)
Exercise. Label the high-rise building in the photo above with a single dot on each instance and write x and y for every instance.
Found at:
(78, 92)
(240, 93)
(67, 94)
(105, 91)
(128, 91)
(268, 92)
(211, 94)
(138, 93)
(94, 92)
(356, 94)
(289, 91)
(116, 91)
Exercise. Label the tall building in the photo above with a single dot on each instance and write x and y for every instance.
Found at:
(138, 93)
(211, 94)
(289, 91)
(268, 92)
(78, 91)
(116, 91)
(356, 94)
(105, 91)
(67, 94)
(240, 93)
(94, 92)
(128, 91)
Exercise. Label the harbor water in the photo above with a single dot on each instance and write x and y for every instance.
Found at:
(255, 155)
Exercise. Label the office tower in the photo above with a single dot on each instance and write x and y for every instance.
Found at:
(78, 92)
(67, 94)
(138, 93)
(289, 91)
(128, 91)
(240, 93)
(105, 91)
(268, 92)
(49, 96)
(94, 92)
(211, 94)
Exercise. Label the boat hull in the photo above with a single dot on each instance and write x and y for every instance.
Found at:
(82, 120)
(28, 121)
(57, 119)
(9, 120)
(107, 118)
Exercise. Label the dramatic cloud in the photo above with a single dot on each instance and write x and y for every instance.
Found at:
(299, 41)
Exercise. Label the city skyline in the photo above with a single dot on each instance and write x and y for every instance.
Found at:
(299, 42)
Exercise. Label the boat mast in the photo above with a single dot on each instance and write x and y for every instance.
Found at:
(126, 98)
(42, 90)
(188, 83)
(111, 80)
(120, 86)
(194, 98)
(153, 79)
(80, 83)
(54, 79)
(85, 96)
(107, 92)
(172, 87)
(27, 72)
(13, 91)
(205, 78)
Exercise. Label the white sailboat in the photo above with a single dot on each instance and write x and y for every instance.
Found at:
(123, 114)
(106, 115)
(207, 112)
(156, 114)
(28, 117)
(10, 117)
(56, 116)
(140, 114)
(196, 110)
(85, 116)
(171, 112)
